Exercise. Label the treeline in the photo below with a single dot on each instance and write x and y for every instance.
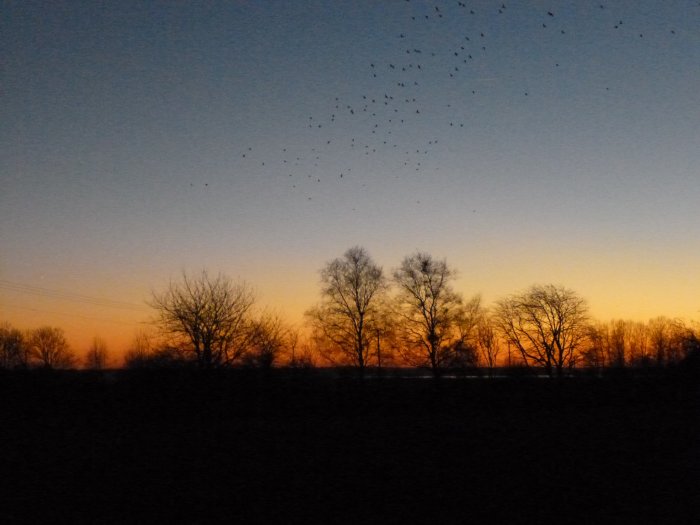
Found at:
(47, 347)
(656, 343)
(412, 317)
(44, 347)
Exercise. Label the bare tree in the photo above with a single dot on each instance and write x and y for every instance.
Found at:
(547, 324)
(607, 344)
(465, 350)
(594, 354)
(159, 357)
(667, 337)
(139, 349)
(96, 357)
(49, 348)
(431, 313)
(13, 347)
(488, 342)
(618, 336)
(386, 339)
(691, 349)
(292, 349)
(208, 316)
(659, 342)
(269, 338)
(349, 312)
(304, 355)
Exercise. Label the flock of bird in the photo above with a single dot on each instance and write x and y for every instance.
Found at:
(419, 95)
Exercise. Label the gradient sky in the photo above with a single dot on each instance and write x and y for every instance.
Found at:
(143, 139)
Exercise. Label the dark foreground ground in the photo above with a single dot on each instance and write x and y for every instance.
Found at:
(241, 448)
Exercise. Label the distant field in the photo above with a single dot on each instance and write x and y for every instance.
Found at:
(181, 447)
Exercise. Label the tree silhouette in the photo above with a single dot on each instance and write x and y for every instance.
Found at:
(49, 349)
(96, 357)
(139, 350)
(348, 316)
(269, 338)
(465, 351)
(488, 342)
(13, 348)
(208, 318)
(611, 344)
(431, 313)
(547, 324)
(667, 337)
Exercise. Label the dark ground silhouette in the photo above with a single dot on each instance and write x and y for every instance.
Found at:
(244, 447)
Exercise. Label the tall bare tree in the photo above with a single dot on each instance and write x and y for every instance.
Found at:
(49, 348)
(594, 354)
(618, 343)
(658, 342)
(465, 351)
(209, 316)
(488, 342)
(269, 338)
(139, 350)
(431, 313)
(608, 344)
(638, 343)
(667, 338)
(386, 340)
(348, 316)
(13, 347)
(547, 324)
(96, 357)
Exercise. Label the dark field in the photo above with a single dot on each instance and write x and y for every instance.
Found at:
(239, 447)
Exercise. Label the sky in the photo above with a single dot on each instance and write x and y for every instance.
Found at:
(526, 142)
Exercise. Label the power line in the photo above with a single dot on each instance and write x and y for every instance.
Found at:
(77, 316)
(69, 296)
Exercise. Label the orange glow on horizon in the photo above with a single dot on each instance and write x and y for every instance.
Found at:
(291, 298)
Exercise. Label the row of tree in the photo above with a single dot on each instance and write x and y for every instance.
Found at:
(413, 317)
(47, 347)
(659, 342)
(44, 347)
(427, 323)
